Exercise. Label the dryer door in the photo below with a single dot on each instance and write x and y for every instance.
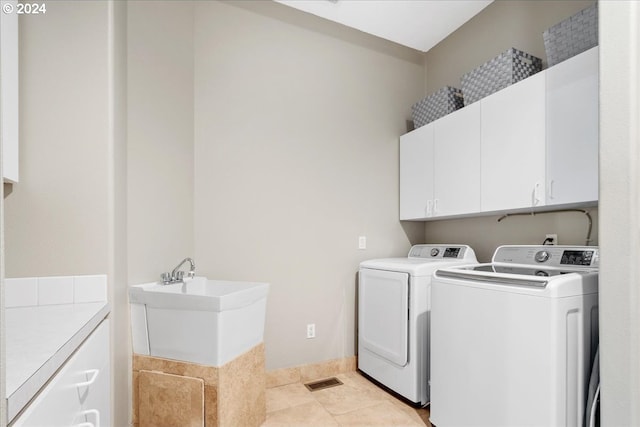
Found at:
(383, 308)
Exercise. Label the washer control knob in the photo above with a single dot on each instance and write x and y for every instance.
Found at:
(542, 256)
(435, 252)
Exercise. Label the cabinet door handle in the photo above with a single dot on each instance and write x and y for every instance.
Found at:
(429, 210)
(435, 206)
(94, 412)
(535, 197)
(94, 375)
(551, 189)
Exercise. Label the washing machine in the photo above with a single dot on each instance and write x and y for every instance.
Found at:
(513, 341)
(393, 317)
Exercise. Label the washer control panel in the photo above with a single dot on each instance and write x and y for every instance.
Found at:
(441, 252)
(555, 256)
(542, 256)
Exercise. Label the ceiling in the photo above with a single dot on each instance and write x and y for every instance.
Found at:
(418, 24)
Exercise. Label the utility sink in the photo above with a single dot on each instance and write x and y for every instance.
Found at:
(209, 322)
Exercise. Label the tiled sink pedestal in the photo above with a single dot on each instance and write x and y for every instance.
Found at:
(174, 393)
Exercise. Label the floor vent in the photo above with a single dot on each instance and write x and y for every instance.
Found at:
(322, 384)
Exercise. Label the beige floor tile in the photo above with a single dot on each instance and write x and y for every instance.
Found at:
(358, 381)
(287, 396)
(310, 414)
(358, 402)
(420, 416)
(384, 414)
(345, 398)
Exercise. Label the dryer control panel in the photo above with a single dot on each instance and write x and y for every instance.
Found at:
(441, 252)
(554, 256)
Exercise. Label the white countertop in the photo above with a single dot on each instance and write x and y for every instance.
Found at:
(39, 340)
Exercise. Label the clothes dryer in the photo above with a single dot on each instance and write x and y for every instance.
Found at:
(393, 317)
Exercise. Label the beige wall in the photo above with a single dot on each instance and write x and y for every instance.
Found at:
(67, 215)
(485, 234)
(296, 148)
(160, 137)
(56, 218)
(159, 155)
(502, 25)
(118, 295)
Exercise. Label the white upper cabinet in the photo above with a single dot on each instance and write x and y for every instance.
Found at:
(457, 162)
(572, 130)
(440, 167)
(416, 173)
(532, 145)
(9, 91)
(513, 146)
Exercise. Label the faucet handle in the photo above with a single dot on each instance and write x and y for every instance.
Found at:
(179, 276)
(191, 274)
(165, 277)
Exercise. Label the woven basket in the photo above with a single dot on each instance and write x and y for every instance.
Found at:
(572, 36)
(505, 69)
(436, 105)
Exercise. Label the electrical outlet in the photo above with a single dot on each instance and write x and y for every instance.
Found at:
(551, 239)
(311, 330)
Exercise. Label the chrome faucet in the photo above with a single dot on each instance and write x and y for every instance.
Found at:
(177, 275)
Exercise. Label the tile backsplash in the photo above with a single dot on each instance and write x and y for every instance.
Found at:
(34, 291)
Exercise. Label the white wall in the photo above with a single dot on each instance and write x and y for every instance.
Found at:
(296, 155)
(620, 207)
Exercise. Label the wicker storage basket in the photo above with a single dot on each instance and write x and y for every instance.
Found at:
(505, 69)
(572, 36)
(436, 105)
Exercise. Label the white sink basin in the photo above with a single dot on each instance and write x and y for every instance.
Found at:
(209, 322)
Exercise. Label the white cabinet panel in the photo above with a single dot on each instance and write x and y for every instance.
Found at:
(572, 130)
(457, 162)
(9, 91)
(531, 145)
(416, 173)
(95, 396)
(513, 146)
(79, 394)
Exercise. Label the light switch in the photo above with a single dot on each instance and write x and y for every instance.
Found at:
(362, 242)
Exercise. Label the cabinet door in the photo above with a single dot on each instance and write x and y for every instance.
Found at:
(170, 400)
(9, 92)
(572, 130)
(96, 395)
(513, 146)
(416, 173)
(457, 162)
(80, 392)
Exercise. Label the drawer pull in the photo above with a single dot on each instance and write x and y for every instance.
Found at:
(88, 423)
(94, 375)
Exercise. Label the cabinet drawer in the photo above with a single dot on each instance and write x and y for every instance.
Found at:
(79, 394)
